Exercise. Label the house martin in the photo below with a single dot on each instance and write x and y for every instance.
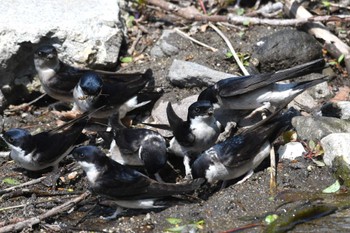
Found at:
(242, 153)
(195, 135)
(261, 91)
(126, 186)
(59, 79)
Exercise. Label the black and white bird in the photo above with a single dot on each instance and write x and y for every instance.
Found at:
(139, 147)
(261, 91)
(45, 149)
(195, 135)
(126, 186)
(59, 79)
(118, 97)
(242, 153)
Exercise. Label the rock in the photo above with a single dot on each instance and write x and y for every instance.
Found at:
(189, 74)
(166, 45)
(158, 115)
(286, 48)
(304, 101)
(86, 33)
(339, 109)
(334, 145)
(341, 170)
(315, 128)
(291, 150)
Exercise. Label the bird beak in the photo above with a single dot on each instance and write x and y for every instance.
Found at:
(210, 111)
(84, 97)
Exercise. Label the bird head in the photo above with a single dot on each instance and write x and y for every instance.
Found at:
(18, 138)
(200, 109)
(91, 85)
(46, 57)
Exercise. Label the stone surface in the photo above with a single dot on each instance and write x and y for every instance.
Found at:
(291, 150)
(165, 46)
(86, 33)
(336, 144)
(339, 109)
(315, 128)
(189, 74)
(158, 115)
(286, 48)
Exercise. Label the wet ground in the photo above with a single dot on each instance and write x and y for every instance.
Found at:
(210, 209)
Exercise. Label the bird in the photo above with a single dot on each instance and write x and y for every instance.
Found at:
(139, 147)
(45, 149)
(195, 135)
(261, 91)
(119, 98)
(59, 79)
(124, 185)
(242, 153)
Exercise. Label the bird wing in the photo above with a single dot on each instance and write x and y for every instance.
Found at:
(129, 140)
(52, 144)
(121, 182)
(240, 85)
(180, 128)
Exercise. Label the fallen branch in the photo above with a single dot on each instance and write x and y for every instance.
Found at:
(187, 13)
(22, 185)
(334, 45)
(241, 66)
(194, 40)
(35, 220)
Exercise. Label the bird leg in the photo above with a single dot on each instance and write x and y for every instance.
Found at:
(188, 172)
(158, 178)
(246, 177)
(118, 211)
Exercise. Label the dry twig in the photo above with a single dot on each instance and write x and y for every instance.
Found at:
(54, 211)
(31, 182)
(241, 66)
(194, 40)
(188, 14)
(334, 45)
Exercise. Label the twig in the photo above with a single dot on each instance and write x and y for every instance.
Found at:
(194, 40)
(241, 66)
(12, 207)
(273, 182)
(22, 185)
(134, 43)
(25, 105)
(186, 13)
(35, 220)
(320, 31)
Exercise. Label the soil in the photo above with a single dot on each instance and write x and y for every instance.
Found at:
(220, 209)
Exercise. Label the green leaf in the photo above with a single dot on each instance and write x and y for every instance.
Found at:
(318, 163)
(326, 3)
(332, 63)
(341, 58)
(246, 23)
(270, 218)
(174, 221)
(229, 55)
(176, 229)
(126, 59)
(10, 181)
(129, 21)
(241, 33)
(312, 144)
(240, 11)
(333, 188)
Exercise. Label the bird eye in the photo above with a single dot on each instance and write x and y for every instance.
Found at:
(197, 110)
(81, 156)
(11, 140)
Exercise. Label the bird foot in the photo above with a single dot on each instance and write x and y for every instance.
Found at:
(117, 212)
(67, 115)
(246, 177)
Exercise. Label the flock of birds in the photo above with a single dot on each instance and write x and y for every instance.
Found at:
(109, 95)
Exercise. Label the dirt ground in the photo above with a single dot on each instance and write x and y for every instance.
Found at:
(212, 208)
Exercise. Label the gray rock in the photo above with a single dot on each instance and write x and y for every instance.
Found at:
(86, 33)
(339, 109)
(166, 45)
(336, 144)
(291, 150)
(315, 128)
(158, 115)
(286, 48)
(189, 74)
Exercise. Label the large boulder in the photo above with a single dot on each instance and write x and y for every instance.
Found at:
(87, 34)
